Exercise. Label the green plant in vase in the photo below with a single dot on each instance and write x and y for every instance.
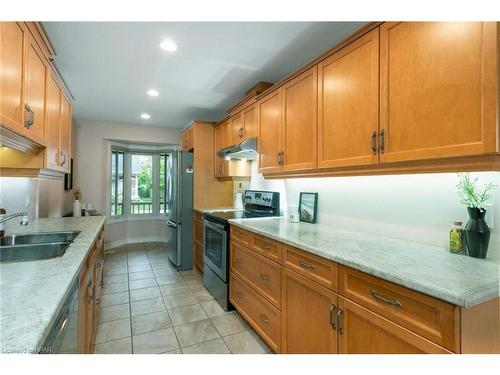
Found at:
(477, 233)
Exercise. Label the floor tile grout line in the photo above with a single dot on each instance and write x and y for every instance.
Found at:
(130, 311)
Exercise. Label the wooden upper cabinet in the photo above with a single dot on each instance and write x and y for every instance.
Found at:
(35, 73)
(438, 84)
(269, 140)
(52, 121)
(249, 115)
(364, 332)
(299, 129)
(220, 141)
(237, 130)
(348, 90)
(12, 40)
(65, 134)
(308, 316)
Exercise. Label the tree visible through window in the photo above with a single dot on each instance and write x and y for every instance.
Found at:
(138, 195)
(141, 184)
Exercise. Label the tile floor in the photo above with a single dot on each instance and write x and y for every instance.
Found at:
(149, 307)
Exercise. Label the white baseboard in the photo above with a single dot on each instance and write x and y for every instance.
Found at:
(113, 244)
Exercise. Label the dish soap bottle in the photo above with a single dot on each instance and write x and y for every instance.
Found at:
(457, 238)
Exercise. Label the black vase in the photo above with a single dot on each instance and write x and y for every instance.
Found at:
(477, 233)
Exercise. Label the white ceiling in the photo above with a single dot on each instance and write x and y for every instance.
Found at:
(109, 66)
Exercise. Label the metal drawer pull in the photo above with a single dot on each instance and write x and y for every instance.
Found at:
(332, 316)
(265, 277)
(373, 145)
(239, 260)
(306, 265)
(264, 319)
(239, 295)
(92, 286)
(31, 118)
(97, 301)
(393, 302)
(381, 144)
(340, 314)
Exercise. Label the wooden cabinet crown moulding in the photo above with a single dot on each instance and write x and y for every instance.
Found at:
(35, 112)
(377, 113)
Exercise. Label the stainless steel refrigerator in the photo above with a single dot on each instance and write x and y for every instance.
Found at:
(179, 223)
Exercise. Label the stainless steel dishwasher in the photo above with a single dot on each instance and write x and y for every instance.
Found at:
(63, 336)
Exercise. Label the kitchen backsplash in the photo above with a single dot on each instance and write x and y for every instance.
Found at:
(47, 197)
(418, 207)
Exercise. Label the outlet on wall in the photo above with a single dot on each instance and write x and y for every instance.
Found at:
(489, 215)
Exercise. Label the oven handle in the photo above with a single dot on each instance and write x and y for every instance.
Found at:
(213, 225)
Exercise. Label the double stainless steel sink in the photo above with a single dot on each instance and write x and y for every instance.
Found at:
(26, 247)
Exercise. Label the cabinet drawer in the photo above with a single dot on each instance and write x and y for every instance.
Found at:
(240, 235)
(198, 232)
(267, 247)
(320, 270)
(260, 273)
(429, 317)
(261, 315)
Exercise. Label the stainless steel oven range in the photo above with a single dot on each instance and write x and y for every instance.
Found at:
(216, 235)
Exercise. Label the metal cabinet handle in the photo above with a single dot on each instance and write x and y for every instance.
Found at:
(241, 132)
(31, 118)
(332, 316)
(265, 277)
(381, 143)
(264, 319)
(97, 301)
(91, 285)
(306, 265)
(340, 314)
(282, 158)
(278, 158)
(393, 302)
(373, 141)
(239, 260)
(239, 295)
(64, 158)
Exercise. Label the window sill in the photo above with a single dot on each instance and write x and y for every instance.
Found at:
(131, 218)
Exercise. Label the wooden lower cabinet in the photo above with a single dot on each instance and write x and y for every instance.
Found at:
(361, 331)
(198, 241)
(308, 316)
(89, 296)
(262, 316)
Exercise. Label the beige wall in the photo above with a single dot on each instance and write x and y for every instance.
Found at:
(90, 153)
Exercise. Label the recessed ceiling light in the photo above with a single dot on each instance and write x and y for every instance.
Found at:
(168, 45)
(145, 116)
(153, 92)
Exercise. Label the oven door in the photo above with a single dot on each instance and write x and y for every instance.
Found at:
(215, 248)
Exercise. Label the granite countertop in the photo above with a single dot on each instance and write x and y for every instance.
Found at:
(32, 293)
(205, 210)
(457, 279)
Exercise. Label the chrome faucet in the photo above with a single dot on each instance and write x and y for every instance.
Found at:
(24, 220)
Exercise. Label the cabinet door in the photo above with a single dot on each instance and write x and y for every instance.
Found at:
(12, 39)
(35, 74)
(226, 134)
(364, 332)
(308, 316)
(218, 145)
(90, 307)
(82, 311)
(52, 123)
(249, 122)
(437, 89)
(65, 134)
(348, 104)
(237, 130)
(269, 140)
(299, 130)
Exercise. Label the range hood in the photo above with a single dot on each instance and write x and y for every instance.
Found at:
(246, 150)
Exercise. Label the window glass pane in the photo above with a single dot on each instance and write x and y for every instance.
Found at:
(141, 184)
(163, 163)
(116, 183)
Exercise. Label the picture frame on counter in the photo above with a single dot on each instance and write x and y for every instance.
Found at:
(308, 207)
